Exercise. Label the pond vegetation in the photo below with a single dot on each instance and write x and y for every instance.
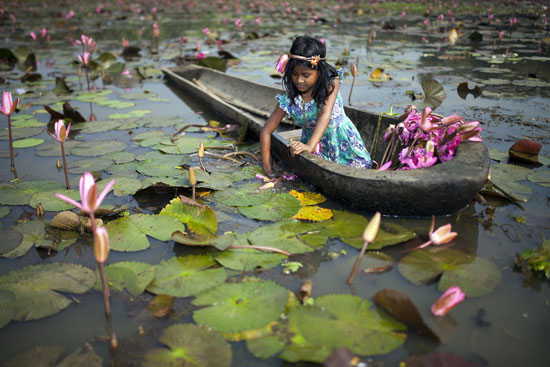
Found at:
(180, 251)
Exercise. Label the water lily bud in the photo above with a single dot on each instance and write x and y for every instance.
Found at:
(192, 177)
(430, 146)
(448, 300)
(58, 164)
(80, 72)
(372, 228)
(467, 127)
(101, 245)
(201, 149)
(353, 70)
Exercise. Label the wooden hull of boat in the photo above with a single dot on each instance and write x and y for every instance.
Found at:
(441, 189)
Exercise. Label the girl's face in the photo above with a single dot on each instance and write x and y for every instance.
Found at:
(304, 78)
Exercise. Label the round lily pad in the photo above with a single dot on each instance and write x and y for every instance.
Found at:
(200, 220)
(27, 143)
(98, 148)
(4, 210)
(50, 202)
(35, 288)
(282, 235)
(475, 275)
(25, 121)
(128, 275)
(248, 259)
(238, 197)
(122, 157)
(10, 240)
(96, 126)
(20, 193)
(186, 276)
(278, 206)
(542, 178)
(89, 164)
(125, 186)
(234, 307)
(20, 133)
(190, 345)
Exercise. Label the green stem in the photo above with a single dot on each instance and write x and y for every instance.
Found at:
(11, 147)
(65, 167)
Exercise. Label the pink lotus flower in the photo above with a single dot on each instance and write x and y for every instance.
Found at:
(43, 32)
(281, 63)
(33, 36)
(448, 300)
(385, 166)
(88, 194)
(84, 58)
(206, 31)
(60, 132)
(440, 236)
(8, 106)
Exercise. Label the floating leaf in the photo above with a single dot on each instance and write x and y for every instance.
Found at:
(541, 178)
(128, 275)
(433, 92)
(35, 288)
(239, 197)
(475, 275)
(34, 233)
(166, 165)
(129, 233)
(278, 206)
(42, 356)
(80, 166)
(200, 220)
(96, 126)
(161, 305)
(98, 148)
(21, 192)
(4, 210)
(20, 133)
(50, 202)
(27, 143)
(115, 104)
(134, 113)
(189, 346)
(93, 96)
(388, 234)
(186, 276)
(10, 240)
(204, 240)
(248, 259)
(308, 198)
(234, 307)
(282, 235)
(313, 214)
(125, 186)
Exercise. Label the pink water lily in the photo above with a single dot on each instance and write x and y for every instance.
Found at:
(8, 106)
(440, 236)
(88, 194)
(61, 132)
(84, 58)
(448, 300)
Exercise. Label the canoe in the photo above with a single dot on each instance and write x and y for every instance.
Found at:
(444, 188)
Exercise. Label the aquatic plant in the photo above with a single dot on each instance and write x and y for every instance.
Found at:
(368, 236)
(448, 300)
(535, 260)
(440, 236)
(7, 108)
(61, 134)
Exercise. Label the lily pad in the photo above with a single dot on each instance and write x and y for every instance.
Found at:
(541, 178)
(27, 143)
(96, 126)
(35, 288)
(388, 234)
(278, 206)
(98, 148)
(239, 197)
(475, 275)
(115, 104)
(89, 164)
(128, 275)
(308, 198)
(186, 276)
(50, 202)
(125, 186)
(190, 144)
(25, 121)
(200, 220)
(20, 133)
(190, 345)
(134, 113)
(233, 307)
(165, 167)
(93, 96)
(49, 355)
(313, 213)
(130, 233)
(34, 233)
(21, 192)
(4, 210)
(282, 235)
(122, 157)
(248, 259)
(10, 240)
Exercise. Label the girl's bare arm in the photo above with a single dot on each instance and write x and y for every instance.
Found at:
(265, 137)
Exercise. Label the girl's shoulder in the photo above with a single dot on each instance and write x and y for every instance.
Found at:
(340, 74)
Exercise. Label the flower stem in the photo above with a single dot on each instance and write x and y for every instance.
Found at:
(263, 248)
(65, 167)
(11, 147)
(87, 76)
(357, 262)
(105, 286)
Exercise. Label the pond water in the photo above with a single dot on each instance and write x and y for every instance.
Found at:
(506, 326)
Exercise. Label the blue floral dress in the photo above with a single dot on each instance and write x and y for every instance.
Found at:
(341, 142)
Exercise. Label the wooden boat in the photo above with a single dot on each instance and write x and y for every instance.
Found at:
(444, 188)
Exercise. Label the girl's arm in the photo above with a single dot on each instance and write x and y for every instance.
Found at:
(297, 147)
(265, 137)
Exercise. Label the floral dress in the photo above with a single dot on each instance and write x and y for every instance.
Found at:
(341, 142)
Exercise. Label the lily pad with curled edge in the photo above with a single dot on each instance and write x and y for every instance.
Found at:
(98, 148)
(96, 126)
(131, 276)
(186, 276)
(389, 234)
(248, 259)
(52, 203)
(204, 240)
(279, 206)
(125, 186)
(20, 133)
(21, 192)
(190, 345)
(201, 220)
(27, 143)
(341, 320)
(130, 233)
(35, 288)
(475, 275)
(282, 235)
(234, 307)
(518, 190)
(80, 166)
(541, 178)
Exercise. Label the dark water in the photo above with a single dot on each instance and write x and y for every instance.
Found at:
(505, 328)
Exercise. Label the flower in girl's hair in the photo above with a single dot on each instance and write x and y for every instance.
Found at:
(315, 60)
(281, 63)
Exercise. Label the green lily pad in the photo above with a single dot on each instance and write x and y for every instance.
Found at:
(190, 345)
(137, 95)
(96, 126)
(186, 276)
(35, 288)
(388, 234)
(10, 240)
(134, 113)
(234, 307)
(162, 121)
(42, 355)
(165, 166)
(124, 170)
(476, 276)
(214, 180)
(282, 235)
(27, 143)
(541, 178)
(21, 192)
(89, 164)
(34, 233)
(239, 197)
(130, 233)
(25, 121)
(53, 148)
(93, 96)
(20, 133)
(128, 275)
(125, 186)
(248, 259)
(278, 206)
(204, 240)
(190, 144)
(122, 157)
(115, 104)
(199, 220)
(50, 202)
(98, 148)
(509, 172)
(498, 155)
(4, 210)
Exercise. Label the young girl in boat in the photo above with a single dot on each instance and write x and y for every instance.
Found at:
(313, 101)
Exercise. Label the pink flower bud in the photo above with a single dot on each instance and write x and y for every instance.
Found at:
(448, 300)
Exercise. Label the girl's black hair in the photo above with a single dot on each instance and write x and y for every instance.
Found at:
(308, 46)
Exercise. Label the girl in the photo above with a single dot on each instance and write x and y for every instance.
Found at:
(313, 101)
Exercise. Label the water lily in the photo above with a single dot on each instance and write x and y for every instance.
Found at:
(84, 58)
(7, 108)
(448, 300)
(440, 236)
(88, 194)
(33, 36)
(61, 135)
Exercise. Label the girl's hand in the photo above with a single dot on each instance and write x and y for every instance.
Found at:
(297, 147)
